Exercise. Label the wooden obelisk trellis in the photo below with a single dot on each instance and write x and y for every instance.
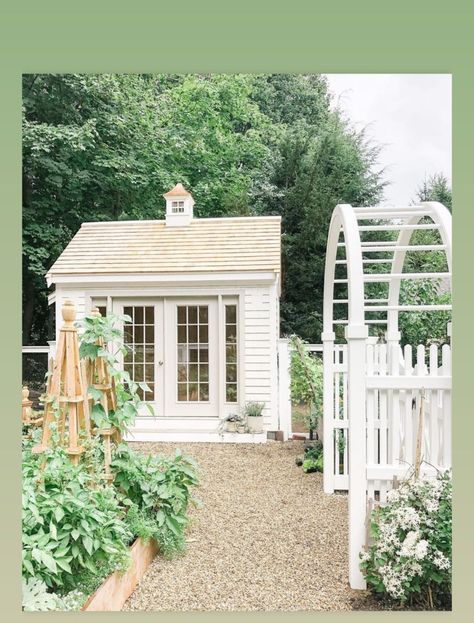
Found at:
(27, 413)
(26, 406)
(98, 376)
(66, 399)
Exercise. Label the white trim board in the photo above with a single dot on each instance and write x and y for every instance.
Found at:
(124, 279)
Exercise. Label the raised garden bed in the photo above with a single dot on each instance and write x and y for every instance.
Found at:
(117, 588)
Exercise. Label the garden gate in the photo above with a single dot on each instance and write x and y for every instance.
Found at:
(374, 392)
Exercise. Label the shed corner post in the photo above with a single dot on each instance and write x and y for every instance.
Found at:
(327, 338)
(284, 392)
(356, 336)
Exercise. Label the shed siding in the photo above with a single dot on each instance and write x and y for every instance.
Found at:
(259, 306)
(260, 350)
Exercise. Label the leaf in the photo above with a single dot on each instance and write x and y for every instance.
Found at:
(95, 393)
(99, 416)
(88, 351)
(53, 531)
(173, 525)
(63, 563)
(27, 564)
(90, 565)
(58, 513)
(49, 562)
(88, 544)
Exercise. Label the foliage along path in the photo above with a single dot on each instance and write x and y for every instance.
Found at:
(266, 537)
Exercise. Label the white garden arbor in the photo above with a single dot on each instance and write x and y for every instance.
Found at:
(373, 395)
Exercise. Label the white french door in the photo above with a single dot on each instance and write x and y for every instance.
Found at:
(143, 336)
(174, 349)
(191, 357)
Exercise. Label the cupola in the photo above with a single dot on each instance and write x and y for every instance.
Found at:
(179, 206)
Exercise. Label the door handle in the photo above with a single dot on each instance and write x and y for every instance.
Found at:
(160, 363)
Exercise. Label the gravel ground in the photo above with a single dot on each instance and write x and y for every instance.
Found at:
(266, 538)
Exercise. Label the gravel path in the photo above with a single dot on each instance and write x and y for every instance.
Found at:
(266, 538)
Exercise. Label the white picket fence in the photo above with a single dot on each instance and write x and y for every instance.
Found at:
(394, 387)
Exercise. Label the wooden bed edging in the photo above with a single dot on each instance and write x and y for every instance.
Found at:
(117, 588)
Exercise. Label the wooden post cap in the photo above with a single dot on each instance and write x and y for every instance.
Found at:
(68, 311)
(25, 393)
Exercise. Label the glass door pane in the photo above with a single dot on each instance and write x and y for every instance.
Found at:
(192, 340)
(139, 339)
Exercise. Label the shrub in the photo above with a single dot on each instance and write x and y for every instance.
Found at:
(157, 491)
(70, 522)
(37, 598)
(313, 465)
(410, 558)
(306, 384)
(312, 460)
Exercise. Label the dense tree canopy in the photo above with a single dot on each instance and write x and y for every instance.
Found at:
(427, 327)
(101, 147)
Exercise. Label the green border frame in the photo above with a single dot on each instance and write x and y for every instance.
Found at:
(357, 36)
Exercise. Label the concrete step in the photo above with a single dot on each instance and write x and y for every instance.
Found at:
(196, 435)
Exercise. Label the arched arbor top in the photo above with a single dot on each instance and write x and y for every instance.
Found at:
(369, 245)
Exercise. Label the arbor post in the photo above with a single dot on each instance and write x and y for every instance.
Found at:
(328, 410)
(356, 336)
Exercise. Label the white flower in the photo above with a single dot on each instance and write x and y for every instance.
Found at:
(408, 546)
(393, 495)
(441, 561)
(408, 517)
(416, 568)
(421, 549)
(432, 505)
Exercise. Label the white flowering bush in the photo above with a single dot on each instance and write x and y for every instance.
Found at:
(409, 558)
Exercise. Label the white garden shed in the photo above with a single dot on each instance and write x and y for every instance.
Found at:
(203, 295)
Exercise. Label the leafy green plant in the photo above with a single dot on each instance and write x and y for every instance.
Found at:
(70, 522)
(312, 460)
(313, 465)
(409, 559)
(428, 327)
(306, 383)
(94, 329)
(253, 409)
(157, 491)
(36, 597)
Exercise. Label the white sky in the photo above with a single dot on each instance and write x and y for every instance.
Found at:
(410, 114)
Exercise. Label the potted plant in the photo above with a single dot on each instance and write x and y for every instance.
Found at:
(231, 423)
(254, 415)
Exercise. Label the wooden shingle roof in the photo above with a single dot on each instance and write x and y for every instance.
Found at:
(178, 191)
(205, 245)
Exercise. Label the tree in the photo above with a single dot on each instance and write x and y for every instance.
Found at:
(102, 147)
(426, 327)
(436, 188)
(318, 170)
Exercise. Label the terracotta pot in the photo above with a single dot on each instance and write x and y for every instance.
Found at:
(255, 424)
